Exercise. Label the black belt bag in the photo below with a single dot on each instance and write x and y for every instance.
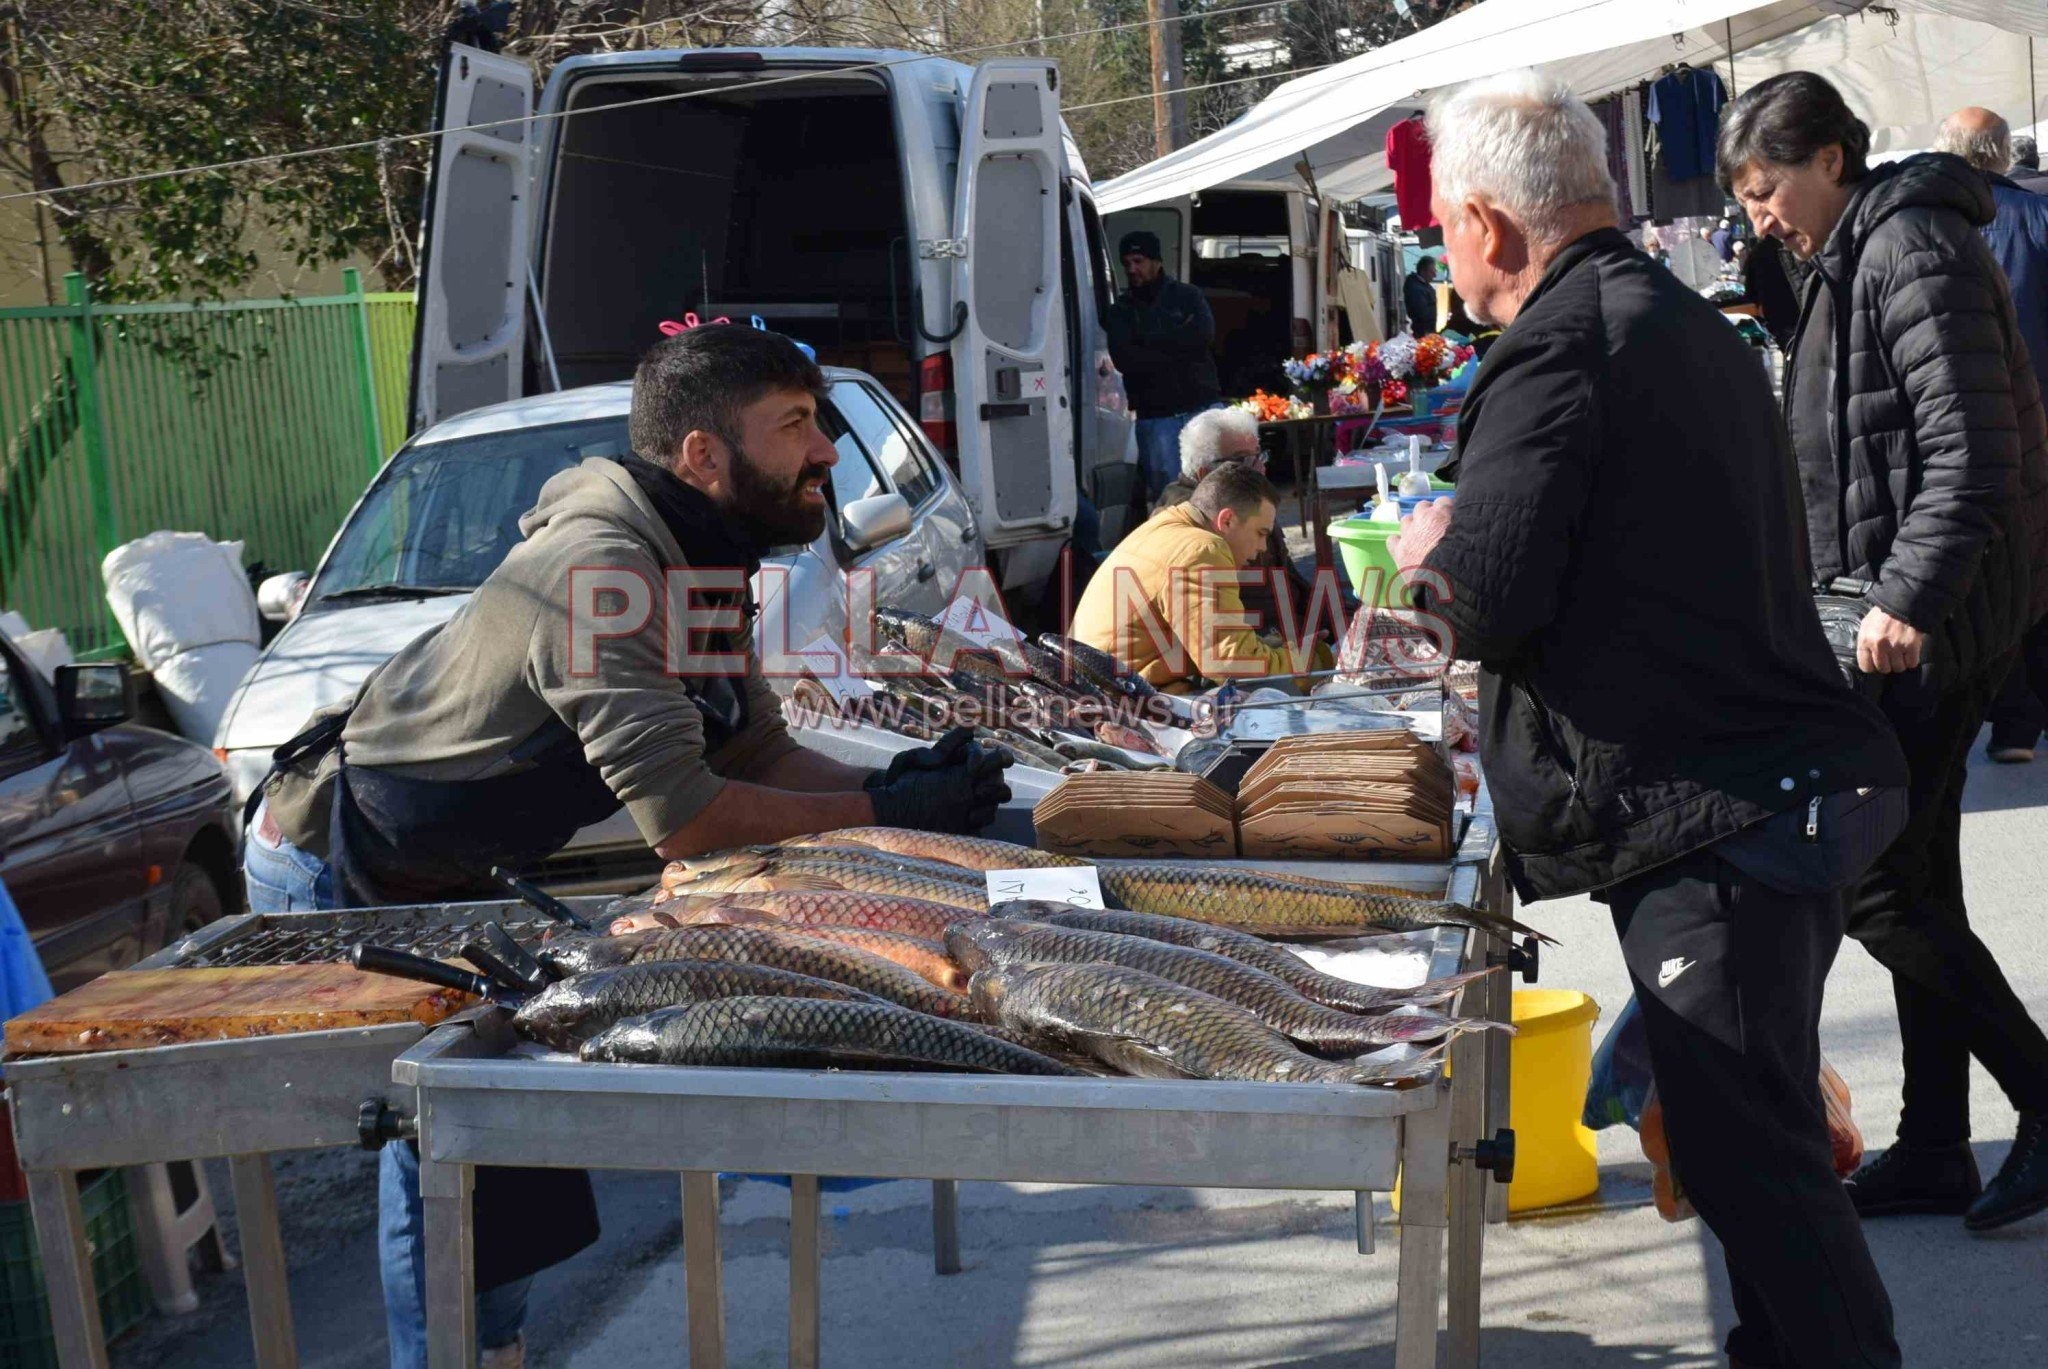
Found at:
(1823, 845)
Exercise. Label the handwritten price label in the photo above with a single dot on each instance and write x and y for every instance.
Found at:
(1074, 885)
(977, 623)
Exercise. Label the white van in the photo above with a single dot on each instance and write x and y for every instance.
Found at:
(926, 222)
(1268, 261)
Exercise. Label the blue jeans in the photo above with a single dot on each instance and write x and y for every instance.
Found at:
(285, 879)
(1159, 449)
(1159, 452)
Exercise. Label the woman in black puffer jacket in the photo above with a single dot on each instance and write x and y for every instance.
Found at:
(1923, 454)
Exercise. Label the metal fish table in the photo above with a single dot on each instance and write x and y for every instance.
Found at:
(484, 1097)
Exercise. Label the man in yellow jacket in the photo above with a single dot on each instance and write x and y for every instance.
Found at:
(1167, 602)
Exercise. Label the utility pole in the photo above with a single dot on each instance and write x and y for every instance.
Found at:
(1169, 101)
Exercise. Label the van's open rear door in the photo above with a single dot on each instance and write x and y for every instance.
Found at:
(1009, 363)
(469, 344)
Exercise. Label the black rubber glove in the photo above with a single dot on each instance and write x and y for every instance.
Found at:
(950, 749)
(958, 797)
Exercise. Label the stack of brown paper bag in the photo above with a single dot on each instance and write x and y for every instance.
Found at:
(1361, 795)
(1136, 813)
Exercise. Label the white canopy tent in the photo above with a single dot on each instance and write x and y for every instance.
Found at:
(1903, 65)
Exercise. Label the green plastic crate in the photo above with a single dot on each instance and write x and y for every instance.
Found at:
(26, 1340)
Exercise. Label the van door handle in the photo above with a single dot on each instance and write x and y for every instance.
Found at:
(925, 571)
(1018, 410)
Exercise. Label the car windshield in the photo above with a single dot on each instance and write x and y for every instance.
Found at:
(445, 514)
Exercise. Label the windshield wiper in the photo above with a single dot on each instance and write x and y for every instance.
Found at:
(393, 591)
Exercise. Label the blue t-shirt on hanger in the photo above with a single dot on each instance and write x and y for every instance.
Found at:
(1686, 107)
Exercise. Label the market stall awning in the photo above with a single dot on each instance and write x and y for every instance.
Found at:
(1905, 65)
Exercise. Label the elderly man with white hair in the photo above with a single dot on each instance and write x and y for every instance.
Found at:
(1210, 439)
(1663, 722)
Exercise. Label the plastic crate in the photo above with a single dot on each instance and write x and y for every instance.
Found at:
(25, 1336)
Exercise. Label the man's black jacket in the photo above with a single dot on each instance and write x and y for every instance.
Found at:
(1418, 296)
(1625, 560)
(1160, 338)
(1929, 473)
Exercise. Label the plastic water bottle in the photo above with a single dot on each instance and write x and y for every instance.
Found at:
(1414, 483)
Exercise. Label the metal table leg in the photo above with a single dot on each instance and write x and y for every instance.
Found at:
(803, 1272)
(945, 1226)
(451, 1262)
(67, 1268)
(703, 1281)
(1425, 1162)
(263, 1266)
(1468, 1185)
(1501, 899)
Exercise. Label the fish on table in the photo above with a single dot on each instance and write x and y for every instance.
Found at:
(567, 1012)
(987, 942)
(802, 909)
(770, 874)
(1272, 906)
(1142, 1024)
(1314, 984)
(972, 853)
(780, 947)
(809, 1033)
(678, 875)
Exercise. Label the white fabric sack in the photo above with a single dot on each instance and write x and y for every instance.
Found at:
(196, 685)
(45, 650)
(180, 595)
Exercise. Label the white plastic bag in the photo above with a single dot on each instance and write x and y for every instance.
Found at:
(45, 650)
(185, 605)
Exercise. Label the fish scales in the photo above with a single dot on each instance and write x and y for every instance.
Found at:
(1260, 903)
(565, 1013)
(972, 853)
(806, 1033)
(778, 874)
(1007, 941)
(1141, 1022)
(681, 875)
(805, 908)
(780, 947)
(1304, 978)
(924, 957)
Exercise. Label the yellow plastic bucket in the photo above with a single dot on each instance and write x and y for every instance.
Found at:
(1550, 1064)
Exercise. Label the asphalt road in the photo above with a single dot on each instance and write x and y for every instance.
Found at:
(1174, 1277)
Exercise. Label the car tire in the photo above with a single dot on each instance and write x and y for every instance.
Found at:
(195, 901)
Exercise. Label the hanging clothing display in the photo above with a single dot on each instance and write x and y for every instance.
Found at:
(1614, 123)
(1686, 107)
(1637, 168)
(1408, 159)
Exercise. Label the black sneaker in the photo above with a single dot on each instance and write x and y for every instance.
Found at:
(2020, 1188)
(1939, 1180)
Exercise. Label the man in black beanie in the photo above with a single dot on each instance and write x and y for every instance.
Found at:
(1160, 335)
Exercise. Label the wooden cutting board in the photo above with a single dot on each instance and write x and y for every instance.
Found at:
(133, 1008)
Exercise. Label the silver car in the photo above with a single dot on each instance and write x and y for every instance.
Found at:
(445, 510)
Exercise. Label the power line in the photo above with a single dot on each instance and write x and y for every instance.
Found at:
(1207, 85)
(386, 140)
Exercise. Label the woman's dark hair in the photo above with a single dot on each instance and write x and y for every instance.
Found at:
(1786, 120)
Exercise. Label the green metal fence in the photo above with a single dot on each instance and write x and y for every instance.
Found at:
(260, 421)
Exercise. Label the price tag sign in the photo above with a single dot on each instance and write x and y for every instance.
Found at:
(977, 623)
(841, 683)
(1074, 885)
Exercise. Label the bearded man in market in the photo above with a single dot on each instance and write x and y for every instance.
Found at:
(493, 739)
(1662, 721)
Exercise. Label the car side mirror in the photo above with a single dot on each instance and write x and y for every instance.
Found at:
(279, 596)
(93, 697)
(877, 519)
